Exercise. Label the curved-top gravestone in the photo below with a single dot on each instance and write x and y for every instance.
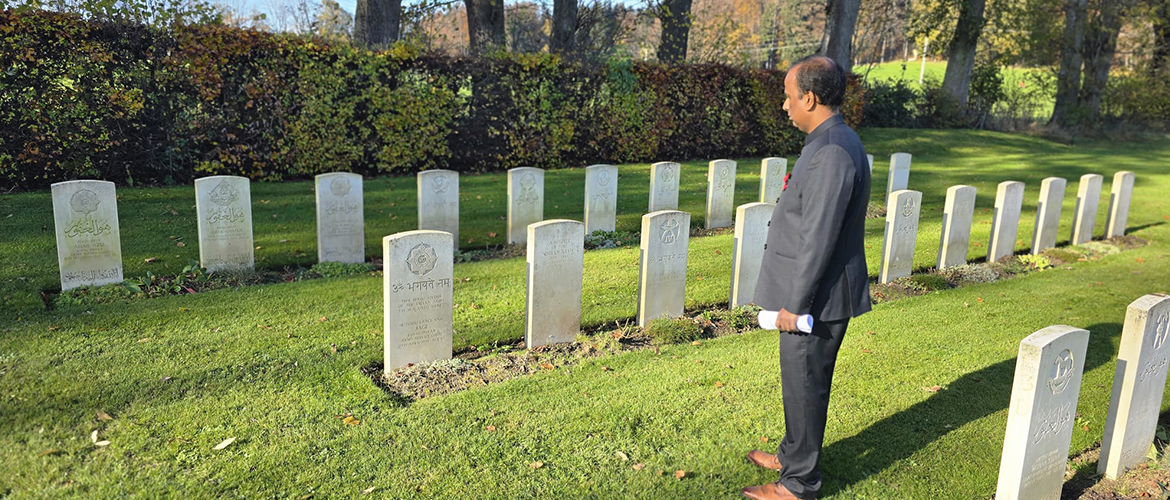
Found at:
(341, 229)
(956, 232)
(747, 250)
(1041, 414)
(1005, 224)
(1119, 196)
(899, 178)
(556, 250)
(1138, 383)
(901, 235)
(417, 291)
(662, 272)
(89, 242)
(1085, 214)
(600, 198)
(438, 201)
(664, 179)
(223, 204)
(720, 194)
(1048, 214)
(772, 172)
(525, 201)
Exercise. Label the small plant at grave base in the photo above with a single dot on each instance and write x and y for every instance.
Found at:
(929, 282)
(1011, 266)
(968, 274)
(339, 269)
(743, 317)
(875, 211)
(1036, 262)
(665, 331)
(1097, 249)
(1060, 256)
(191, 279)
(610, 239)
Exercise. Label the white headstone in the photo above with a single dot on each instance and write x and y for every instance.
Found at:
(525, 201)
(600, 198)
(1048, 214)
(341, 230)
(772, 172)
(662, 273)
(956, 228)
(899, 178)
(901, 234)
(870, 158)
(223, 204)
(1005, 224)
(747, 250)
(664, 178)
(89, 242)
(438, 201)
(1085, 215)
(556, 251)
(720, 194)
(417, 287)
(1041, 414)
(1119, 197)
(1138, 384)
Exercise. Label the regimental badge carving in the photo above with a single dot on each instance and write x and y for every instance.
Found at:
(908, 207)
(422, 259)
(1062, 372)
(603, 178)
(528, 189)
(724, 178)
(223, 194)
(339, 187)
(670, 229)
(86, 203)
(668, 174)
(440, 184)
(1161, 330)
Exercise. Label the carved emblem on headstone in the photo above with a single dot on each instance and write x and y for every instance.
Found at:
(724, 178)
(440, 183)
(1161, 330)
(908, 207)
(603, 178)
(84, 201)
(339, 187)
(670, 228)
(668, 174)
(528, 189)
(422, 259)
(1062, 372)
(224, 194)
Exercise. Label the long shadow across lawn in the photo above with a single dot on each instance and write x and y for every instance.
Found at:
(971, 397)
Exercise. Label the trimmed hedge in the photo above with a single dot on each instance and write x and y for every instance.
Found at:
(133, 105)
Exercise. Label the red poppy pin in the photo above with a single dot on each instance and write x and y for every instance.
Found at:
(786, 177)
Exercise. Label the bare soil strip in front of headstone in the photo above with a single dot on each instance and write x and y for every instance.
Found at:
(1150, 479)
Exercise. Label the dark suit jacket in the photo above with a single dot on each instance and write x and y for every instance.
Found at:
(814, 261)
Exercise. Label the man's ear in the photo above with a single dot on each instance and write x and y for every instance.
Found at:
(808, 101)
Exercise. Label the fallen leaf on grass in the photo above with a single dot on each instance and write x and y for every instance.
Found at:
(264, 327)
(101, 415)
(933, 388)
(93, 436)
(622, 456)
(54, 328)
(143, 341)
(47, 452)
(718, 384)
(1140, 260)
(697, 343)
(536, 465)
(867, 351)
(639, 466)
(101, 444)
(763, 439)
(717, 252)
(679, 474)
(322, 318)
(491, 235)
(605, 368)
(164, 379)
(491, 428)
(547, 366)
(700, 278)
(979, 299)
(225, 443)
(180, 244)
(369, 490)
(283, 241)
(351, 421)
(150, 259)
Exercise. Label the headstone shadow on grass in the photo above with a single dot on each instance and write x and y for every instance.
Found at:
(973, 396)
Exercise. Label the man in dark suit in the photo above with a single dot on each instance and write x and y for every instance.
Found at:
(814, 263)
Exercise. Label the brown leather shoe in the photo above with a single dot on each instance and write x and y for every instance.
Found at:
(765, 460)
(770, 491)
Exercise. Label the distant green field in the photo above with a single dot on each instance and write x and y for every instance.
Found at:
(1019, 83)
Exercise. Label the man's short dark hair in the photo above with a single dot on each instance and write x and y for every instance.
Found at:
(823, 77)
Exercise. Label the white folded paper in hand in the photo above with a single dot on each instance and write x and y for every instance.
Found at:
(767, 320)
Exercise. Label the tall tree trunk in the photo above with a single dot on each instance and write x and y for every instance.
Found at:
(564, 26)
(836, 43)
(485, 25)
(376, 22)
(676, 28)
(1100, 45)
(1068, 80)
(961, 53)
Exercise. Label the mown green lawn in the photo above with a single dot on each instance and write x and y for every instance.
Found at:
(181, 374)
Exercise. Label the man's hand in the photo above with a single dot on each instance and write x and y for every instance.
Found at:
(786, 321)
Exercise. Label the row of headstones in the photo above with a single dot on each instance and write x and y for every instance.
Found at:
(903, 207)
(89, 242)
(1043, 404)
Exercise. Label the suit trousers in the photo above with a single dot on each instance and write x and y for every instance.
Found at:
(806, 371)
